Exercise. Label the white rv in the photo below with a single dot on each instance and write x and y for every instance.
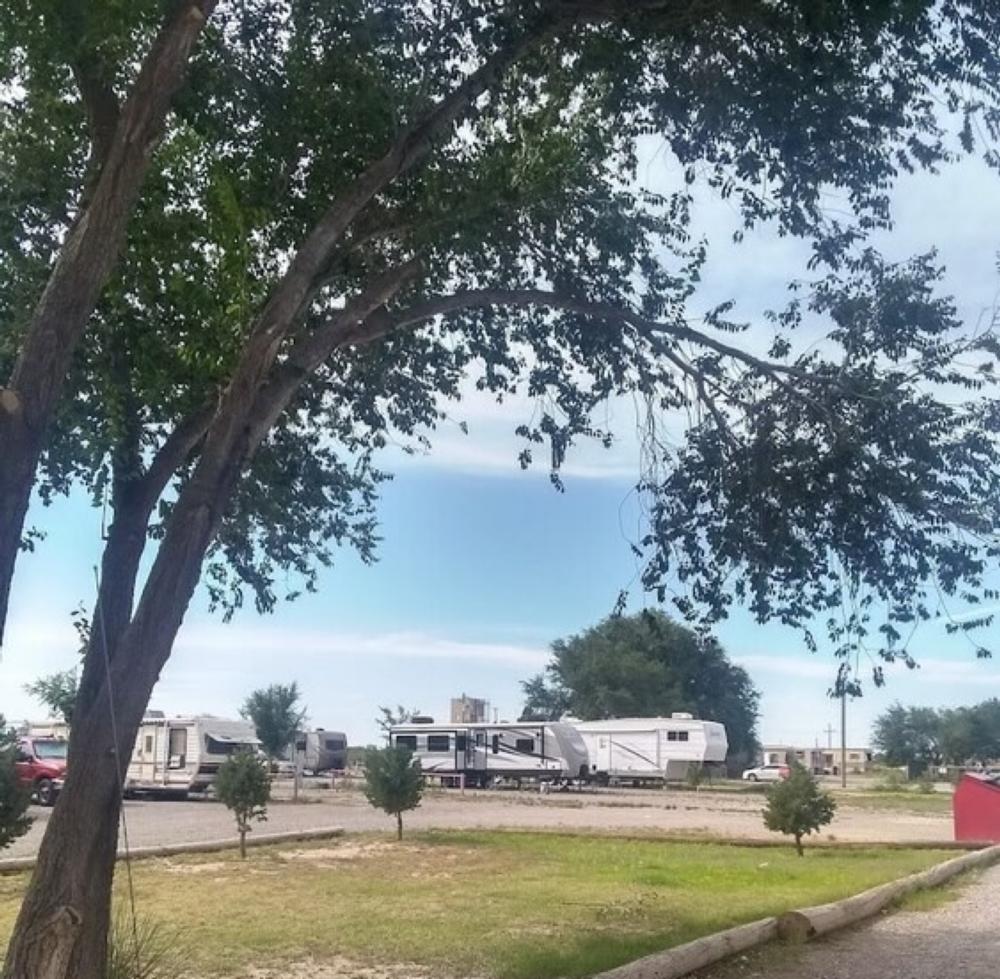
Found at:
(484, 753)
(178, 755)
(642, 748)
(321, 751)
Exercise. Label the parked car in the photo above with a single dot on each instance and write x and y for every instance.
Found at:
(766, 773)
(40, 764)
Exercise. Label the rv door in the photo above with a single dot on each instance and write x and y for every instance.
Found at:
(177, 753)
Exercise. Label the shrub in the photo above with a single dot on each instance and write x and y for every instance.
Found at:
(392, 782)
(798, 806)
(892, 781)
(145, 950)
(14, 797)
(244, 785)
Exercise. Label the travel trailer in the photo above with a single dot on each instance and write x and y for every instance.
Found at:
(484, 753)
(648, 748)
(321, 751)
(179, 755)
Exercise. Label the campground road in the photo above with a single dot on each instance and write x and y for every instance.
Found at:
(724, 814)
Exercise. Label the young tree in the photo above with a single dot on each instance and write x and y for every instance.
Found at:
(244, 786)
(57, 692)
(393, 782)
(387, 717)
(797, 806)
(14, 797)
(646, 665)
(276, 716)
(486, 221)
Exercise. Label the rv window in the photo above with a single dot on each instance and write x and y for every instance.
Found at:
(438, 742)
(406, 741)
(671, 735)
(525, 745)
(335, 744)
(461, 742)
(480, 739)
(496, 744)
(300, 744)
(149, 744)
(177, 746)
(682, 735)
(214, 747)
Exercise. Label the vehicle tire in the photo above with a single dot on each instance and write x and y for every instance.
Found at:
(45, 792)
(752, 778)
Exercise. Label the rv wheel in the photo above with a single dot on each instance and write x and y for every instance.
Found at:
(45, 792)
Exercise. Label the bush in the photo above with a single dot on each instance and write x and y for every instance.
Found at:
(145, 950)
(392, 782)
(892, 781)
(14, 797)
(798, 806)
(244, 785)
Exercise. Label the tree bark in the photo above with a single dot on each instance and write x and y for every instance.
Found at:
(399, 826)
(85, 262)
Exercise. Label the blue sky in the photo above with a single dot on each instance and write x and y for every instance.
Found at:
(482, 565)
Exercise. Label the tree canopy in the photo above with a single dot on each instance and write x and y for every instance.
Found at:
(920, 737)
(276, 715)
(645, 665)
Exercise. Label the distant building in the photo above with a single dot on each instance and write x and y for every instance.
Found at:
(820, 761)
(469, 710)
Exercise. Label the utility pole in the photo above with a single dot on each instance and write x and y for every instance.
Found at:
(828, 731)
(843, 739)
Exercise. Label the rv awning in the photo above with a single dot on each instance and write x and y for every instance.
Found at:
(232, 738)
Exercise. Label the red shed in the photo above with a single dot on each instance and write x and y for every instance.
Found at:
(977, 809)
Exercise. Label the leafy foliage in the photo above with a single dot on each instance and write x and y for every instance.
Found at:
(797, 806)
(14, 797)
(393, 782)
(244, 786)
(645, 665)
(388, 717)
(923, 737)
(57, 691)
(276, 716)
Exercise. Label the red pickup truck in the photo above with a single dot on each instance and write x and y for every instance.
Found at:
(40, 764)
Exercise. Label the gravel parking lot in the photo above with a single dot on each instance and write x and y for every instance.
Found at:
(724, 814)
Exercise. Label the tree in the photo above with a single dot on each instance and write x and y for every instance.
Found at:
(797, 806)
(388, 718)
(645, 665)
(476, 213)
(244, 786)
(909, 736)
(276, 716)
(14, 797)
(393, 782)
(57, 692)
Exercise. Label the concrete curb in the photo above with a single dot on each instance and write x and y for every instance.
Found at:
(16, 864)
(801, 924)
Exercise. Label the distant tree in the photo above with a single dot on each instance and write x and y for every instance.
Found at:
(909, 736)
(276, 716)
(388, 717)
(392, 782)
(244, 786)
(646, 665)
(14, 797)
(797, 806)
(57, 691)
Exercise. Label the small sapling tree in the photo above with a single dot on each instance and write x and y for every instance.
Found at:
(798, 806)
(14, 797)
(244, 786)
(393, 783)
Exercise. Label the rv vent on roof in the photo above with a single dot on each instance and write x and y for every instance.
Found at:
(680, 715)
(421, 719)
(154, 713)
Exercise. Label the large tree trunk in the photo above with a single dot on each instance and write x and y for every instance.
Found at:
(86, 260)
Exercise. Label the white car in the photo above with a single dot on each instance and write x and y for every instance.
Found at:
(767, 773)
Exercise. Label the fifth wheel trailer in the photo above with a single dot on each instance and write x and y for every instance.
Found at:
(648, 748)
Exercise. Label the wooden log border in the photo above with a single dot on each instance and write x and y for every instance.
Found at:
(18, 864)
(798, 925)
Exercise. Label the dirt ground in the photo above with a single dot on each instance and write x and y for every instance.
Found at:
(707, 813)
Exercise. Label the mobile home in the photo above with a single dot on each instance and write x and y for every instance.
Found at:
(178, 755)
(647, 748)
(486, 752)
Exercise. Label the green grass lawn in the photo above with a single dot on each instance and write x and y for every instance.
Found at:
(914, 802)
(487, 904)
